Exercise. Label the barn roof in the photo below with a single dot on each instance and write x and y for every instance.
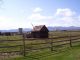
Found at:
(38, 28)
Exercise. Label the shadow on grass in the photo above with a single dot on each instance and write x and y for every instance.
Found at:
(38, 56)
(42, 54)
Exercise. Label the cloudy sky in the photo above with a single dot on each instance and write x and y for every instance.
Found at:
(24, 13)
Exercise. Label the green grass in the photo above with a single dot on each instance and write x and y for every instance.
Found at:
(44, 54)
(66, 54)
(16, 37)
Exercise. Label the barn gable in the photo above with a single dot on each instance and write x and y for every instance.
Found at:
(40, 31)
(40, 28)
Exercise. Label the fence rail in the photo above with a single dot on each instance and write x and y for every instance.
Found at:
(66, 40)
(75, 40)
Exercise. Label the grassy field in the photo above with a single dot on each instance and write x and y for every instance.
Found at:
(66, 54)
(60, 52)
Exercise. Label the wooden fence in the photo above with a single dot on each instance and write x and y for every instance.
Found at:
(30, 44)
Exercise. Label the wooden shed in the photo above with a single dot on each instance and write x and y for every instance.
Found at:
(0, 33)
(40, 31)
(6, 33)
(9, 33)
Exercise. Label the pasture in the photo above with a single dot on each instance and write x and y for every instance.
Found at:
(55, 47)
(66, 54)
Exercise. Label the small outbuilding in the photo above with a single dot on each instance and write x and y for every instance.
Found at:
(9, 33)
(6, 34)
(0, 33)
(40, 31)
(20, 31)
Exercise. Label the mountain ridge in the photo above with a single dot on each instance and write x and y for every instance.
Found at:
(50, 28)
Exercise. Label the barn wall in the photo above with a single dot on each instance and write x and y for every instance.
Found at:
(41, 34)
(44, 34)
(35, 34)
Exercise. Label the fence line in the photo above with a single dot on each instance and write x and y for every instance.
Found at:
(38, 43)
(69, 41)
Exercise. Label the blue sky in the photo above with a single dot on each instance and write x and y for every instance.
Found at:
(23, 13)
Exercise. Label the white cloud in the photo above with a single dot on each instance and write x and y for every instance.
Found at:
(79, 17)
(65, 12)
(4, 22)
(39, 19)
(62, 17)
(7, 22)
(66, 17)
(38, 16)
(38, 9)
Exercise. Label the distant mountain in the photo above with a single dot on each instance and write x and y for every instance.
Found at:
(27, 29)
(12, 30)
(50, 28)
(63, 28)
(16, 30)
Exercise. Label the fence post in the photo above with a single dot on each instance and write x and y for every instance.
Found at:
(24, 45)
(51, 43)
(70, 40)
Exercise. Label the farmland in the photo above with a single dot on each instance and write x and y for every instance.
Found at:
(58, 44)
(66, 54)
